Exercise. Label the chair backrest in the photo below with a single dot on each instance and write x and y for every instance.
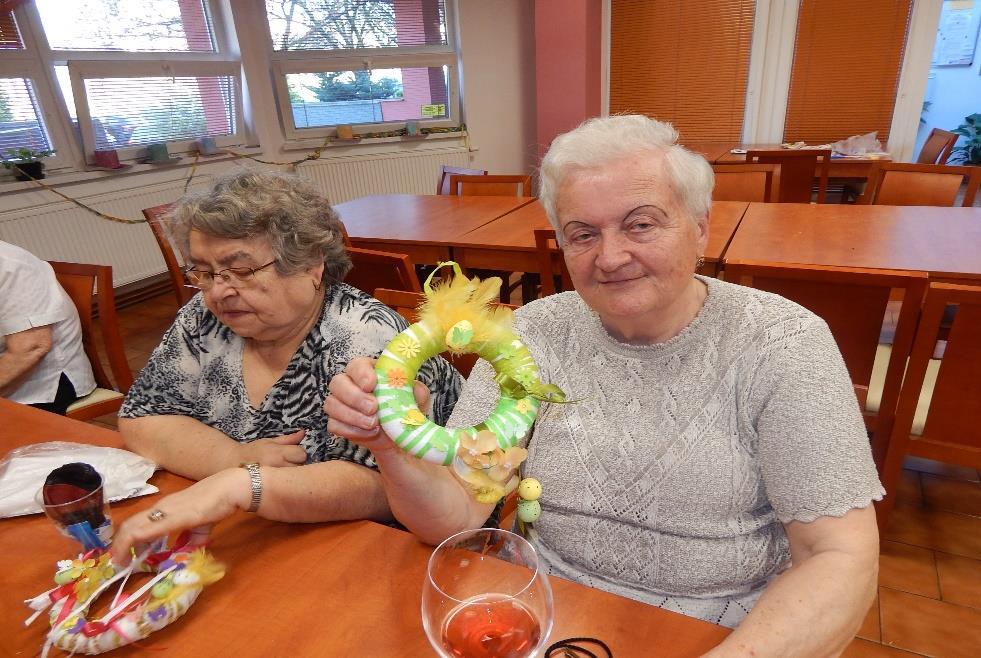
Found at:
(937, 147)
(491, 185)
(951, 429)
(381, 269)
(155, 219)
(853, 302)
(79, 281)
(907, 184)
(443, 186)
(551, 262)
(745, 182)
(797, 171)
(407, 304)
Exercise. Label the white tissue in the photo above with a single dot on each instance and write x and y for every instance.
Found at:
(23, 470)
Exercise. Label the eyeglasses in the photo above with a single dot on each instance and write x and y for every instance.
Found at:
(233, 277)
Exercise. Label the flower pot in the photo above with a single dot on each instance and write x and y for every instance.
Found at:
(28, 170)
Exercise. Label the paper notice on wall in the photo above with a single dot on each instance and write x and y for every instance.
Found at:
(434, 110)
(957, 34)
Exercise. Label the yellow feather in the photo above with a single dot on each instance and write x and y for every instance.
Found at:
(466, 299)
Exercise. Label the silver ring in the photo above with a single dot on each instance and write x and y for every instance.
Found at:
(156, 515)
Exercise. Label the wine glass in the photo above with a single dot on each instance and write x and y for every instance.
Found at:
(486, 595)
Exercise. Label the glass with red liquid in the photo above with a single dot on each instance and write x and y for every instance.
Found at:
(486, 595)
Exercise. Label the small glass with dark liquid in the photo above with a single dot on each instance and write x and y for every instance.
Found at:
(486, 596)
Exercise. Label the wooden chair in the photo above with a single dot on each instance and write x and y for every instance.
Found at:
(381, 269)
(937, 147)
(155, 219)
(551, 262)
(443, 186)
(407, 304)
(745, 182)
(491, 185)
(942, 421)
(78, 281)
(853, 302)
(797, 169)
(906, 184)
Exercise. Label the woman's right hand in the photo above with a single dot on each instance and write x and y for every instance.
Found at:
(276, 451)
(352, 409)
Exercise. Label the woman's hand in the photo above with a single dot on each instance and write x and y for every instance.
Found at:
(352, 409)
(198, 508)
(276, 451)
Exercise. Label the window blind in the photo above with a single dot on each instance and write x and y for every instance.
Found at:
(353, 24)
(9, 34)
(847, 60)
(147, 110)
(20, 117)
(131, 26)
(683, 62)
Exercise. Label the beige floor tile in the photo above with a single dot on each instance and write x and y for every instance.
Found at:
(960, 580)
(860, 648)
(909, 569)
(943, 531)
(930, 627)
(951, 495)
(910, 490)
(938, 468)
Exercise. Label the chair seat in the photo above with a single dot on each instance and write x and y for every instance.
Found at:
(97, 396)
(882, 354)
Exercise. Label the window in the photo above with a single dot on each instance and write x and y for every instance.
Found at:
(119, 74)
(373, 64)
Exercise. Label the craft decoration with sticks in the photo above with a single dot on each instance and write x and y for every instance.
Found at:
(457, 316)
(179, 576)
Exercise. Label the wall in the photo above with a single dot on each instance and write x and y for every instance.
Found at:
(954, 93)
(498, 52)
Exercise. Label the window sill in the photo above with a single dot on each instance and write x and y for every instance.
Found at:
(313, 142)
(56, 179)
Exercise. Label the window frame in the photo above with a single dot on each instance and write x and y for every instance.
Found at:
(285, 62)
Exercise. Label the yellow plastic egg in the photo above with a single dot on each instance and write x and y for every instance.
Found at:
(529, 489)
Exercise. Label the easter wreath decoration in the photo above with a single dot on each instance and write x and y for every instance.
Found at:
(457, 316)
(179, 576)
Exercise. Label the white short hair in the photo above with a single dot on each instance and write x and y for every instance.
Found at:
(598, 141)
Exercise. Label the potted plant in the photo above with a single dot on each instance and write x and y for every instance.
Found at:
(969, 151)
(26, 163)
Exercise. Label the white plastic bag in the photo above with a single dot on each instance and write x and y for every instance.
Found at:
(23, 470)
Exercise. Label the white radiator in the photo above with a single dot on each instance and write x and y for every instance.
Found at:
(54, 229)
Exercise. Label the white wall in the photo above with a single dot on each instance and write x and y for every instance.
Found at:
(497, 40)
(955, 92)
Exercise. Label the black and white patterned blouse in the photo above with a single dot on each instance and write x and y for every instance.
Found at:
(196, 371)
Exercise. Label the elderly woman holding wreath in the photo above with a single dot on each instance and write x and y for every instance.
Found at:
(714, 461)
(241, 376)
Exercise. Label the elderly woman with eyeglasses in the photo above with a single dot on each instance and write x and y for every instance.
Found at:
(241, 376)
(713, 460)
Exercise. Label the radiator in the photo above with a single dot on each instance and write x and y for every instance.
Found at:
(57, 230)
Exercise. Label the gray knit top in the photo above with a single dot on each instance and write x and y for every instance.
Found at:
(670, 478)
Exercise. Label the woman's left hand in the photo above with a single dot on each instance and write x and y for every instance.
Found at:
(197, 508)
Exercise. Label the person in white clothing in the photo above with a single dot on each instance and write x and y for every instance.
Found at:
(42, 361)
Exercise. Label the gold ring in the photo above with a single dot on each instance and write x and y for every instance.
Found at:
(156, 515)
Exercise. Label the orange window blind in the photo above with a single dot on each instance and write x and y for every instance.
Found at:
(847, 60)
(9, 35)
(683, 62)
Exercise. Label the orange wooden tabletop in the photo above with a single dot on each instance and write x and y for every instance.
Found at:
(338, 589)
(711, 151)
(838, 168)
(421, 218)
(946, 242)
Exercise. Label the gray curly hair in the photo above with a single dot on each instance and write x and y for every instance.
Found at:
(299, 223)
(603, 139)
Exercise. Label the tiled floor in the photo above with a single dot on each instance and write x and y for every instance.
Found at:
(929, 599)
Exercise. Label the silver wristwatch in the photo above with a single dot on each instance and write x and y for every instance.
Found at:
(255, 479)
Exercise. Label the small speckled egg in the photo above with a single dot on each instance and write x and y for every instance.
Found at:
(529, 510)
(529, 489)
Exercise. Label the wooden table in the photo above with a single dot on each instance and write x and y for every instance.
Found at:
(508, 243)
(711, 151)
(838, 168)
(946, 242)
(422, 226)
(339, 589)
